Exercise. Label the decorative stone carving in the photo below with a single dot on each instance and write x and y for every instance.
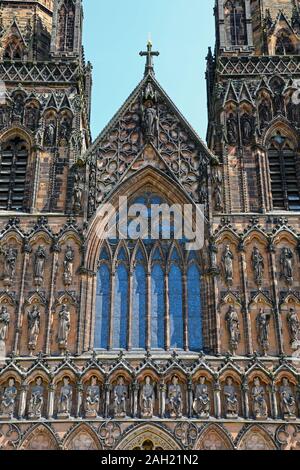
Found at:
(233, 325)
(10, 260)
(287, 401)
(258, 265)
(232, 133)
(34, 320)
(39, 265)
(4, 323)
(147, 398)
(18, 107)
(201, 405)
(231, 400)
(65, 400)
(286, 263)
(8, 402)
(5, 116)
(32, 115)
(77, 194)
(260, 407)
(175, 405)
(247, 128)
(68, 266)
(50, 134)
(227, 261)
(109, 433)
(217, 181)
(64, 326)
(36, 402)
(150, 122)
(263, 329)
(255, 442)
(294, 328)
(289, 437)
(187, 434)
(65, 127)
(120, 398)
(10, 436)
(92, 400)
(265, 114)
(83, 441)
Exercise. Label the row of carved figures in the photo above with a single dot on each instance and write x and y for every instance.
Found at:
(34, 322)
(257, 264)
(263, 321)
(10, 256)
(143, 400)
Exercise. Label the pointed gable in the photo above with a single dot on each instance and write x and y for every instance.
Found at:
(148, 130)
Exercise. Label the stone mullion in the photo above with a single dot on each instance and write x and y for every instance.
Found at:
(245, 310)
(23, 400)
(21, 302)
(112, 303)
(185, 313)
(266, 181)
(35, 182)
(107, 388)
(273, 401)
(82, 308)
(51, 302)
(217, 399)
(167, 312)
(130, 310)
(163, 390)
(90, 321)
(260, 172)
(245, 399)
(190, 397)
(149, 312)
(214, 317)
(79, 390)
(278, 322)
(51, 400)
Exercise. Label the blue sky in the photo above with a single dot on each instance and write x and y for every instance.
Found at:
(116, 31)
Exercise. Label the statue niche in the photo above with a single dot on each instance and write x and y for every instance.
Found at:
(35, 409)
(147, 399)
(175, 399)
(8, 401)
(201, 405)
(120, 398)
(92, 399)
(287, 401)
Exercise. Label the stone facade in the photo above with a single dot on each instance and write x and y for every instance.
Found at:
(74, 374)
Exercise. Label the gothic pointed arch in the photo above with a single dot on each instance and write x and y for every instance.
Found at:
(82, 437)
(255, 438)
(148, 437)
(214, 437)
(39, 437)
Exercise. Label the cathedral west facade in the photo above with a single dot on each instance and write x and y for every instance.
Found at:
(125, 343)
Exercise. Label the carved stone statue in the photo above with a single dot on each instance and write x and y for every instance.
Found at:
(294, 328)
(18, 107)
(247, 128)
(286, 262)
(36, 403)
(287, 400)
(64, 326)
(201, 405)
(32, 118)
(231, 399)
(120, 398)
(233, 325)
(64, 130)
(150, 122)
(4, 323)
(232, 133)
(147, 399)
(68, 266)
(8, 402)
(39, 265)
(175, 405)
(34, 320)
(92, 400)
(258, 265)
(260, 407)
(65, 399)
(77, 194)
(265, 114)
(263, 329)
(10, 259)
(50, 132)
(228, 264)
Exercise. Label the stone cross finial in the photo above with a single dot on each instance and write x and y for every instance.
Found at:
(149, 69)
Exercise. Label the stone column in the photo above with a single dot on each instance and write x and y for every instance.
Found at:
(107, 399)
(55, 250)
(167, 312)
(130, 332)
(217, 399)
(79, 390)
(244, 309)
(148, 313)
(273, 401)
(22, 400)
(163, 389)
(26, 250)
(277, 317)
(135, 395)
(51, 400)
(185, 313)
(245, 399)
(190, 397)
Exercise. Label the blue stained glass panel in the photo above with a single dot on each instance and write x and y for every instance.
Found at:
(157, 308)
(120, 312)
(102, 308)
(194, 309)
(176, 308)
